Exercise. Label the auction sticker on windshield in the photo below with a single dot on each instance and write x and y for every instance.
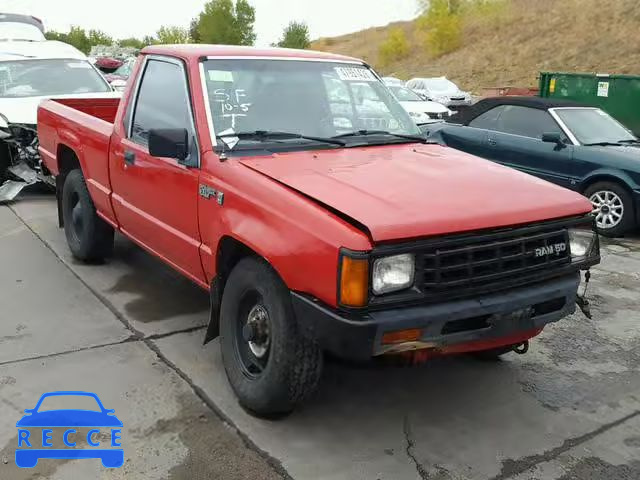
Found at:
(57, 432)
(355, 74)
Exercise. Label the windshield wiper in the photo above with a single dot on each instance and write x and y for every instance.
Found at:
(266, 135)
(603, 144)
(359, 133)
(630, 140)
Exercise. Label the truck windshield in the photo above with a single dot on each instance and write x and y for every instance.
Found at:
(35, 78)
(593, 126)
(310, 98)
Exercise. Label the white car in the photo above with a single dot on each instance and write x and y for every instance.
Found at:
(441, 90)
(422, 111)
(392, 81)
(14, 26)
(30, 72)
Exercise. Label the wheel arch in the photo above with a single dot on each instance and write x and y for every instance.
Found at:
(230, 251)
(68, 160)
(618, 178)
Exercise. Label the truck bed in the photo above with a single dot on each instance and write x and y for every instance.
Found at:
(84, 125)
(102, 108)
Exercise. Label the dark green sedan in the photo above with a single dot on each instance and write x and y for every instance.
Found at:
(580, 148)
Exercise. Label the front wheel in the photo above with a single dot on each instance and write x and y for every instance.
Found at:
(270, 365)
(613, 208)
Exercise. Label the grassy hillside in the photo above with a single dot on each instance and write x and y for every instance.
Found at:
(512, 47)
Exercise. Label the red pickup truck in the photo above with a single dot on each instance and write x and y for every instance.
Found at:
(295, 189)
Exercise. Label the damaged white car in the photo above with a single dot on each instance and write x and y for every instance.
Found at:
(29, 73)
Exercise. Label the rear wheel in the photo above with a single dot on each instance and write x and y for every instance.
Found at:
(613, 208)
(89, 237)
(270, 365)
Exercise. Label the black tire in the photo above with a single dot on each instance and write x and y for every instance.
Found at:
(290, 370)
(493, 355)
(627, 222)
(89, 237)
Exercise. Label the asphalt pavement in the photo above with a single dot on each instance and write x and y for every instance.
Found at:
(131, 330)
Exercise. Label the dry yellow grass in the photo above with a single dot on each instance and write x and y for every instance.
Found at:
(528, 37)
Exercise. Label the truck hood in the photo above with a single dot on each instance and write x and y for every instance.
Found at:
(410, 191)
(25, 109)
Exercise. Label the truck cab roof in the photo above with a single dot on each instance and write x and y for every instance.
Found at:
(197, 51)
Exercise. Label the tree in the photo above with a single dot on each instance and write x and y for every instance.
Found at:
(98, 37)
(193, 31)
(172, 35)
(245, 18)
(223, 22)
(395, 47)
(149, 40)
(53, 35)
(132, 42)
(296, 35)
(442, 28)
(78, 38)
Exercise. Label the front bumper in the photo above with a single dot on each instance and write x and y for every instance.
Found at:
(482, 320)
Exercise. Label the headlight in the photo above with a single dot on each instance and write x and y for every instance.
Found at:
(581, 243)
(394, 273)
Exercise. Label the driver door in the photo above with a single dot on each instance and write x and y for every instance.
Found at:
(517, 142)
(155, 199)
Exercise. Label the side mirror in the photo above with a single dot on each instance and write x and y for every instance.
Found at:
(169, 143)
(553, 137)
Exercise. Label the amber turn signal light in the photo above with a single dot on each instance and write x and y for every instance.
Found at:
(401, 336)
(354, 282)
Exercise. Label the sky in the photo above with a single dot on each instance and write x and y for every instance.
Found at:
(137, 18)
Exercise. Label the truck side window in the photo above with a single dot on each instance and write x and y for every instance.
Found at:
(527, 122)
(163, 101)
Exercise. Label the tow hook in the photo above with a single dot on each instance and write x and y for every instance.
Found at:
(581, 300)
(521, 348)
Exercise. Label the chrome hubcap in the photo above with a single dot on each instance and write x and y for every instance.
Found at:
(256, 331)
(608, 209)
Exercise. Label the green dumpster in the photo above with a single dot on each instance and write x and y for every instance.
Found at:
(618, 95)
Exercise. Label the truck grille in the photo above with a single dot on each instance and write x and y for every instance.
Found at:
(464, 265)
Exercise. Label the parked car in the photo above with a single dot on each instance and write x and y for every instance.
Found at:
(29, 73)
(361, 243)
(580, 148)
(21, 27)
(441, 90)
(422, 111)
(108, 64)
(618, 95)
(118, 79)
(393, 81)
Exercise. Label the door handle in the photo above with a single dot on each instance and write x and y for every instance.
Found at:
(492, 142)
(129, 158)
